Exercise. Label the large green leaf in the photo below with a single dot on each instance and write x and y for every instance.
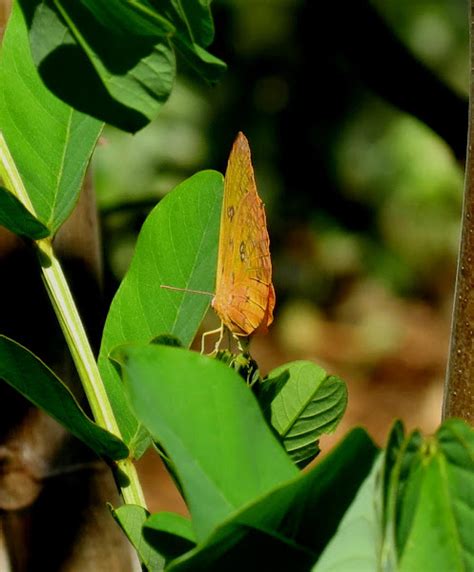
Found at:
(435, 516)
(18, 219)
(33, 379)
(131, 519)
(416, 512)
(309, 404)
(207, 420)
(115, 60)
(289, 527)
(50, 142)
(357, 544)
(177, 246)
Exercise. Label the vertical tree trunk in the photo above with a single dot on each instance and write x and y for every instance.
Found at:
(459, 387)
(53, 491)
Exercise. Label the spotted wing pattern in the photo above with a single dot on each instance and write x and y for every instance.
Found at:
(245, 296)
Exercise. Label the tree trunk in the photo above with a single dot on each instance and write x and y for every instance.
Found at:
(459, 387)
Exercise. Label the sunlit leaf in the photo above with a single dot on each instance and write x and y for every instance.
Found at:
(436, 503)
(292, 524)
(357, 544)
(308, 405)
(177, 247)
(210, 425)
(50, 142)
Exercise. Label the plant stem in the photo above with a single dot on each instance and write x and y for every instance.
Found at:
(78, 343)
(73, 330)
(71, 325)
(459, 386)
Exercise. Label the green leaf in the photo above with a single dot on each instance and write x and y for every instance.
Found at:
(205, 417)
(177, 246)
(115, 60)
(436, 502)
(203, 63)
(357, 544)
(396, 443)
(18, 219)
(33, 379)
(288, 527)
(170, 533)
(309, 404)
(192, 16)
(50, 142)
(131, 519)
(194, 31)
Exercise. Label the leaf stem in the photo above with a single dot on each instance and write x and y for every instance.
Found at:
(74, 332)
(71, 325)
(86, 365)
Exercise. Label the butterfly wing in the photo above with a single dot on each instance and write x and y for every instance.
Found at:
(245, 297)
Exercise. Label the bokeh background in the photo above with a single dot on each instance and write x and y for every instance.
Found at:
(357, 117)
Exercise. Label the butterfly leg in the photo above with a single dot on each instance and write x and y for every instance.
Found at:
(243, 343)
(210, 333)
(221, 337)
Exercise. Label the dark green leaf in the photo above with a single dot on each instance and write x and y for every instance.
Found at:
(268, 389)
(193, 17)
(390, 475)
(18, 219)
(210, 425)
(194, 32)
(131, 519)
(203, 63)
(50, 142)
(170, 533)
(177, 246)
(115, 60)
(394, 444)
(309, 404)
(110, 59)
(33, 379)
(167, 340)
(288, 527)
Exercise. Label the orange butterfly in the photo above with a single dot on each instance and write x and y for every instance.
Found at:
(245, 297)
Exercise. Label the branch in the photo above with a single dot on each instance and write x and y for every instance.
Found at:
(459, 387)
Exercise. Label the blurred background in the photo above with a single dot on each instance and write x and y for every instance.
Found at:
(357, 117)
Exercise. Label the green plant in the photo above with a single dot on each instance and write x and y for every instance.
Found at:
(234, 442)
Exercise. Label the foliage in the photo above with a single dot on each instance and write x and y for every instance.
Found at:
(182, 228)
(234, 442)
(115, 60)
(50, 141)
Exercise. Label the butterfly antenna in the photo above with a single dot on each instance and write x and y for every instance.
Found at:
(189, 290)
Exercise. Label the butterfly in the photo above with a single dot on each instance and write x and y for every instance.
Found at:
(244, 298)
